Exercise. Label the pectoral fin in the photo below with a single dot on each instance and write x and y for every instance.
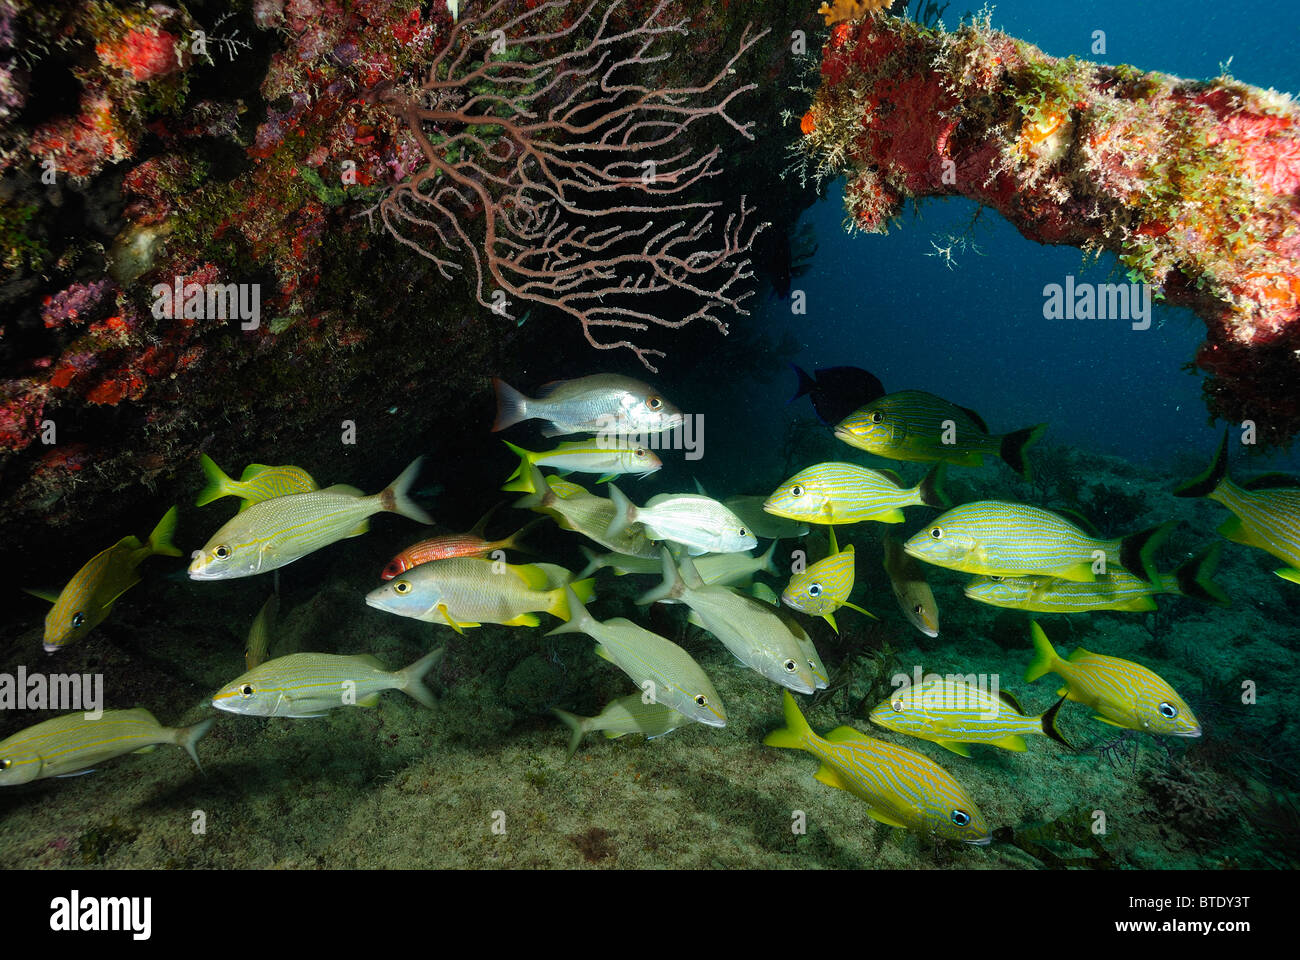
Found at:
(961, 749)
(1289, 573)
(50, 596)
(884, 818)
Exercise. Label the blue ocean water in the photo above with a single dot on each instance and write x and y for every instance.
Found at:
(970, 326)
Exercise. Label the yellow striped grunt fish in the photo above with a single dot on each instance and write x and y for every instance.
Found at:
(1266, 510)
(913, 593)
(630, 714)
(1117, 590)
(259, 634)
(664, 671)
(913, 425)
(698, 523)
(847, 493)
(608, 457)
(727, 569)
(749, 628)
(824, 587)
(71, 744)
(761, 591)
(1120, 692)
(899, 787)
(89, 596)
(953, 713)
(311, 684)
(277, 532)
(470, 591)
(602, 403)
(573, 508)
(258, 482)
(1000, 538)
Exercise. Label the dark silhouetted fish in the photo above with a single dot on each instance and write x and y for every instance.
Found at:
(837, 391)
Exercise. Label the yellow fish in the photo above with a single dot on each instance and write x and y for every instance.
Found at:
(1122, 693)
(89, 596)
(71, 744)
(257, 483)
(825, 586)
(277, 532)
(899, 787)
(1266, 510)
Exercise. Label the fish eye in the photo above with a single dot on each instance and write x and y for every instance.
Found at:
(744, 532)
(701, 700)
(897, 706)
(1168, 711)
(814, 589)
(877, 416)
(246, 691)
(796, 491)
(639, 452)
(937, 533)
(790, 666)
(402, 586)
(222, 552)
(918, 609)
(654, 403)
(6, 763)
(960, 818)
(78, 619)
(997, 579)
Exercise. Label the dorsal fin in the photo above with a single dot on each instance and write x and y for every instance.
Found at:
(979, 421)
(1012, 701)
(1271, 481)
(479, 528)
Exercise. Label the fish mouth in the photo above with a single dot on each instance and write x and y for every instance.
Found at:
(52, 647)
(983, 841)
(1194, 732)
(803, 687)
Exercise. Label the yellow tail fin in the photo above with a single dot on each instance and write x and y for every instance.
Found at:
(793, 735)
(160, 541)
(219, 485)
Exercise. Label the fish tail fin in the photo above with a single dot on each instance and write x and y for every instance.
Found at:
(623, 511)
(794, 735)
(160, 540)
(1137, 551)
(1050, 728)
(480, 528)
(769, 561)
(1014, 445)
(395, 498)
(806, 383)
(219, 485)
(1207, 482)
(931, 488)
(525, 459)
(574, 723)
(533, 484)
(568, 606)
(672, 587)
(411, 679)
(515, 540)
(1045, 659)
(1194, 576)
(512, 406)
(188, 737)
(690, 576)
(593, 562)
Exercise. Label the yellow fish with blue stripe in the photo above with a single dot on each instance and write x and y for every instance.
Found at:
(1117, 590)
(914, 425)
(998, 538)
(311, 684)
(899, 787)
(258, 482)
(89, 596)
(1120, 692)
(71, 744)
(848, 493)
(1266, 511)
(953, 713)
(824, 586)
